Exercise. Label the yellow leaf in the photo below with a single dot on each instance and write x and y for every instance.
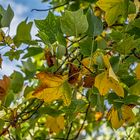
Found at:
(98, 116)
(108, 66)
(104, 83)
(112, 74)
(106, 61)
(55, 124)
(137, 71)
(2, 36)
(52, 87)
(113, 9)
(101, 82)
(115, 86)
(127, 116)
(86, 66)
(4, 85)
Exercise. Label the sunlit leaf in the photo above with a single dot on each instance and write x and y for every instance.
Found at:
(74, 23)
(53, 87)
(113, 9)
(127, 116)
(137, 71)
(55, 124)
(104, 83)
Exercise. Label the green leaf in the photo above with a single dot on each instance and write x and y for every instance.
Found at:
(113, 9)
(67, 93)
(132, 99)
(128, 43)
(1, 124)
(50, 111)
(74, 23)
(135, 89)
(32, 51)
(6, 16)
(16, 81)
(95, 24)
(101, 43)
(48, 28)
(29, 68)
(9, 99)
(61, 51)
(13, 54)
(29, 65)
(116, 35)
(86, 46)
(132, 8)
(23, 34)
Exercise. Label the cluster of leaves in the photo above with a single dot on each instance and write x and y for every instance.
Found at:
(82, 72)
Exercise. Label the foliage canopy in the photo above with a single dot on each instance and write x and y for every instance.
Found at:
(79, 77)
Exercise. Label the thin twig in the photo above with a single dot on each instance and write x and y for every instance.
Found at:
(70, 53)
(41, 10)
(23, 120)
(84, 66)
(82, 123)
(5, 130)
(69, 131)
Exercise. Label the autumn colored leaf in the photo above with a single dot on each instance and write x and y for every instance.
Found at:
(55, 124)
(2, 35)
(4, 85)
(108, 80)
(104, 83)
(98, 116)
(73, 74)
(127, 116)
(49, 58)
(53, 87)
(88, 81)
(86, 66)
(137, 71)
(113, 9)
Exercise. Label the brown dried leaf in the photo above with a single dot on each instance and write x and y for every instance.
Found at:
(73, 74)
(4, 85)
(88, 81)
(49, 58)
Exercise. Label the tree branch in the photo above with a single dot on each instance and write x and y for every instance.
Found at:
(82, 123)
(69, 131)
(53, 8)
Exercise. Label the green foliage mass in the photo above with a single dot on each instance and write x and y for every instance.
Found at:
(86, 39)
